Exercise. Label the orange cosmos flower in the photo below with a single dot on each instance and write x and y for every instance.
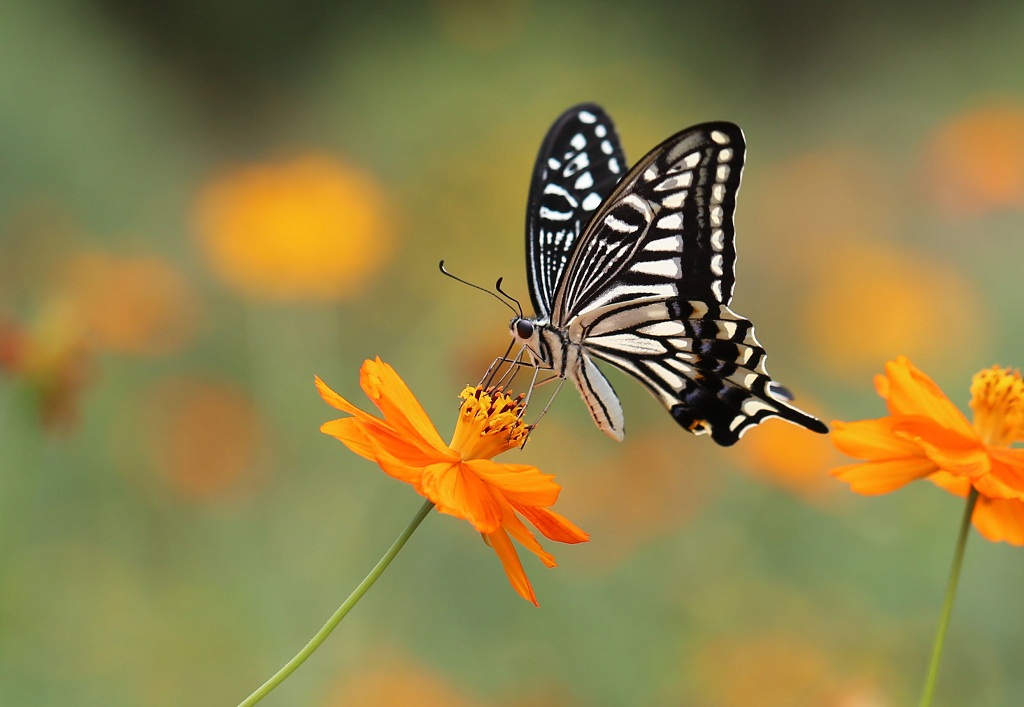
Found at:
(926, 436)
(460, 478)
(307, 229)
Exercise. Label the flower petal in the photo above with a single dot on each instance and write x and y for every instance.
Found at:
(518, 530)
(874, 440)
(352, 433)
(1000, 520)
(912, 392)
(953, 452)
(506, 552)
(1007, 473)
(997, 519)
(457, 491)
(518, 482)
(400, 407)
(552, 525)
(336, 401)
(874, 478)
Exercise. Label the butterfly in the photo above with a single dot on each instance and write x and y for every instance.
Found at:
(636, 268)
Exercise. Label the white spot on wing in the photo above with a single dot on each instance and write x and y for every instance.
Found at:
(619, 225)
(613, 165)
(550, 215)
(584, 181)
(600, 131)
(716, 216)
(675, 200)
(578, 141)
(717, 239)
(671, 222)
(722, 173)
(668, 327)
(586, 116)
(716, 265)
(672, 244)
(719, 137)
(725, 155)
(668, 268)
(591, 201)
(716, 289)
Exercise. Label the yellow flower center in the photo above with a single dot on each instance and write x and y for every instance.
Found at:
(997, 398)
(490, 422)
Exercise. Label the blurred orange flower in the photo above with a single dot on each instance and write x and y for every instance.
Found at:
(131, 304)
(975, 162)
(926, 436)
(459, 478)
(864, 299)
(787, 456)
(311, 228)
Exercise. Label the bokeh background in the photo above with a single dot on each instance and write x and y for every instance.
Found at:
(202, 205)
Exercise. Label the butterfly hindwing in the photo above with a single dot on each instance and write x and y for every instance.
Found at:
(578, 165)
(701, 360)
(667, 229)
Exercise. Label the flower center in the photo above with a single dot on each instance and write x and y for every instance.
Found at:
(490, 422)
(997, 398)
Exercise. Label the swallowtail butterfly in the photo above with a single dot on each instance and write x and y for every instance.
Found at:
(636, 268)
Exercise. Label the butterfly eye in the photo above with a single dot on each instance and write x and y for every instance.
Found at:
(524, 328)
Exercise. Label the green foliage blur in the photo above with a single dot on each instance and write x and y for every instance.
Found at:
(174, 527)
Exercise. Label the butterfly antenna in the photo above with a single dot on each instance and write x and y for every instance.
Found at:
(497, 286)
(477, 287)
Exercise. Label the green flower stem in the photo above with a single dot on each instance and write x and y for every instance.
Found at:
(332, 622)
(947, 607)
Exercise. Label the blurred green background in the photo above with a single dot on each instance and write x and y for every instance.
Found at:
(202, 205)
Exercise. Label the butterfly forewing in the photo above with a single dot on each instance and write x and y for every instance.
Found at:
(665, 231)
(578, 165)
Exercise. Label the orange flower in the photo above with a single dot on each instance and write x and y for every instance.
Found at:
(307, 229)
(926, 436)
(459, 478)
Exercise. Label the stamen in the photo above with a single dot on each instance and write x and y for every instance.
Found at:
(997, 399)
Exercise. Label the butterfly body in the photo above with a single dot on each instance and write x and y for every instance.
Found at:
(637, 269)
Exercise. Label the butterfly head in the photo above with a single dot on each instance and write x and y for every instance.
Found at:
(531, 334)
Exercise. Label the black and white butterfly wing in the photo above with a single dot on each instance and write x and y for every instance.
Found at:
(578, 165)
(665, 231)
(648, 285)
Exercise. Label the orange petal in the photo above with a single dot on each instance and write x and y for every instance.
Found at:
(518, 482)
(336, 401)
(552, 525)
(1007, 473)
(955, 453)
(457, 491)
(352, 434)
(874, 478)
(911, 392)
(520, 532)
(513, 567)
(1000, 520)
(400, 407)
(387, 441)
(875, 440)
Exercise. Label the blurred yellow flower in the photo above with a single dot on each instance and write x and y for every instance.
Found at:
(926, 436)
(975, 162)
(311, 228)
(460, 478)
(130, 304)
